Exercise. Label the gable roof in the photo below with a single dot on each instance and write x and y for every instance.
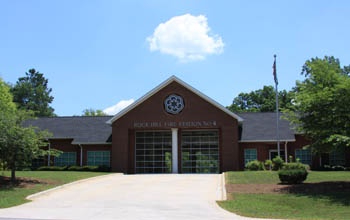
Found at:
(261, 127)
(82, 129)
(163, 85)
(257, 127)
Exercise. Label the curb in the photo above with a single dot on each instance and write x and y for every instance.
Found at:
(38, 194)
(221, 189)
(223, 184)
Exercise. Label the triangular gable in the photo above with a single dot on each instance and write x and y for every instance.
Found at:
(163, 85)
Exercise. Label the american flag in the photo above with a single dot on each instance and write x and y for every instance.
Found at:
(274, 70)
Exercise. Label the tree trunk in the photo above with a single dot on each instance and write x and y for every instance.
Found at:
(13, 174)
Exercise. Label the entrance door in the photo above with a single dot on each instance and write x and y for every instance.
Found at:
(153, 152)
(200, 151)
(274, 153)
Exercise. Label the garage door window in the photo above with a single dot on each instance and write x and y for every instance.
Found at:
(153, 152)
(200, 152)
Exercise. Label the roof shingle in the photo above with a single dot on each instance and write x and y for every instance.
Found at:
(261, 127)
(256, 127)
(82, 129)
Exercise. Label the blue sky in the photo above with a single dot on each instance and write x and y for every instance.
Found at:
(97, 54)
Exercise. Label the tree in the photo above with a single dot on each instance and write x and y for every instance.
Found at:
(6, 104)
(32, 93)
(93, 112)
(261, 100)
(7, 107)
(322, 101)
(18, 145)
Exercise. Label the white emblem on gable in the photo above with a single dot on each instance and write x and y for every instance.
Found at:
(174, 104)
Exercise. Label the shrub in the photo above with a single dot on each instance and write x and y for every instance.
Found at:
(290, 159)
(332, 168)
(268, 164)
(292, 176)
(75, 168)
(338, 168)
(324, 168)
(293, 173)
(294, 166)
(3, 165)
(277, 163)
(101, 168)
(52, 168)
(254, 165)
(104, 168)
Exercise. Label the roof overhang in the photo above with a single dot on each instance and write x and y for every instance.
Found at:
(92, 143)
(163, 85)
(78, 142)
(266, 141)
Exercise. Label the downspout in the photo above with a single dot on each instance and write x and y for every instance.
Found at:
(285, 152)
(81, 155)
(49, 155)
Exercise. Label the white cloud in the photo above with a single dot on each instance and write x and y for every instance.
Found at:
(118, 107)
(186, 37)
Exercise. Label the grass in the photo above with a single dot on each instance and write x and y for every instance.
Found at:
(325, 205)
(256, 177)
(16, 195)
(286, 206)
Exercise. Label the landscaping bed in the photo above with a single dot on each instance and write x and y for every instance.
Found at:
(21, 182)
(318, 188)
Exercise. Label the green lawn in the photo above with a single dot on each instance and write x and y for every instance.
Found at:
(326, 205)
(12, 196)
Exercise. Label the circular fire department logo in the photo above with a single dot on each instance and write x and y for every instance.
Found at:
(174, 104)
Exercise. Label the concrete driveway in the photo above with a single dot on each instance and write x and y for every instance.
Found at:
(117, 196)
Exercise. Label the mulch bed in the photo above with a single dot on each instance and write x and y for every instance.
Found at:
(304, 188)
(5, 182)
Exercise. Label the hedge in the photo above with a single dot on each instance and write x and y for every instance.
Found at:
(293, 176)
(101, 168)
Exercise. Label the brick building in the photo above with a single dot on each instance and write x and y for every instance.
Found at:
(176, 129)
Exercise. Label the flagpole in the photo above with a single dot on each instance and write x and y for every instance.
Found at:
(277, 109)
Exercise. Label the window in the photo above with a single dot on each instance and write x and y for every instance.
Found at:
(250, 155)
(96, 158)
(274, 154)
(304, 155)
(66, 159)
(337, 158)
